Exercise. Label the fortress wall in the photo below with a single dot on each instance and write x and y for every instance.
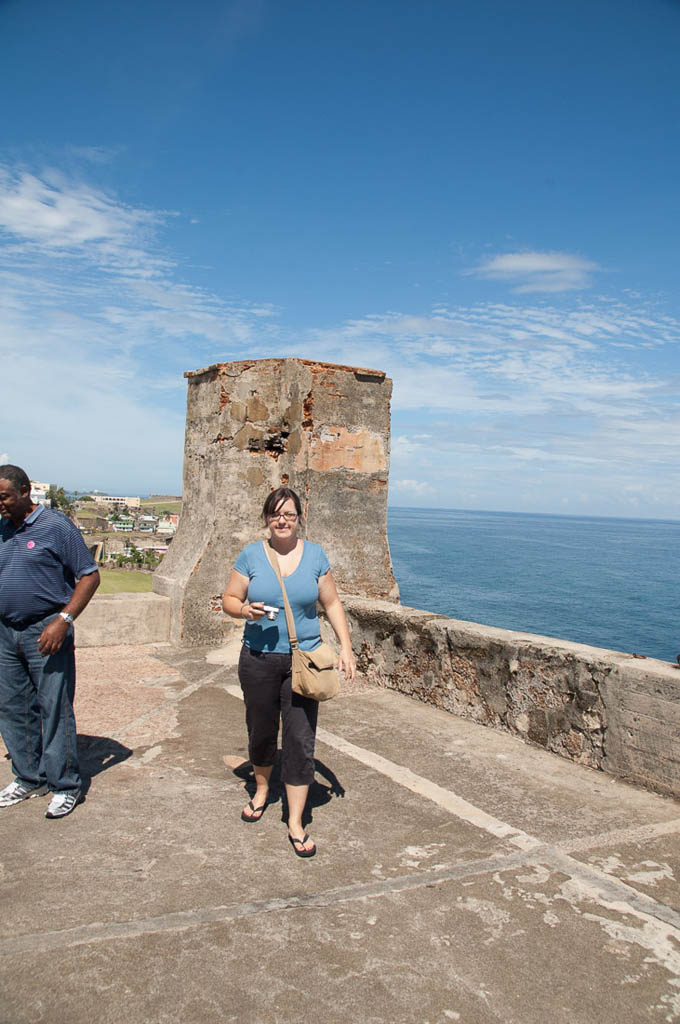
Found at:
(325, 431)
(601, 708)
(252, 426)
(114, 619)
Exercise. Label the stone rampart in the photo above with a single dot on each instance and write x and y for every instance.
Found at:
(604, 709)
(600, 708)
(324, 430)
(113, 619)
(253, 426)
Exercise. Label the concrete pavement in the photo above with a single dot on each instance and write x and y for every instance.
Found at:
(461, 875)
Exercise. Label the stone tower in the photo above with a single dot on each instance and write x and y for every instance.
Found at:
(252, 426)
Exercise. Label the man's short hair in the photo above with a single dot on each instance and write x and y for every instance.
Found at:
(16, 476)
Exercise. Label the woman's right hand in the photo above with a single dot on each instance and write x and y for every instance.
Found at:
(252, 612)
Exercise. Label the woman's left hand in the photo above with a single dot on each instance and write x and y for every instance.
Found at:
(332, 605)
(347, 664)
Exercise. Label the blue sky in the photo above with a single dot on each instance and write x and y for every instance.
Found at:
(480, 198)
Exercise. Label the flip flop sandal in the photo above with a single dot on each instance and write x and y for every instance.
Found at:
(257, 812)
(302, 852)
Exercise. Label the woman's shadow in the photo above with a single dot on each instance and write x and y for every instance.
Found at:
(319, 793)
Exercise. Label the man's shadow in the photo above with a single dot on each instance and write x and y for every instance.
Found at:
(319, 793)
(96, 754)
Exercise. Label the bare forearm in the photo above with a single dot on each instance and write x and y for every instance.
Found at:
(54, 633)
(233, 606)
(235, 600)
(82, 594)
(335, 614)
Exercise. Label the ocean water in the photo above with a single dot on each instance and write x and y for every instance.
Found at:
(612, 583)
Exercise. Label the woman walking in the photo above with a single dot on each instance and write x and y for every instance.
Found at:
(265, 662)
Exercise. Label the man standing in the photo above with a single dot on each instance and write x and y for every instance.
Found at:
(47, 577)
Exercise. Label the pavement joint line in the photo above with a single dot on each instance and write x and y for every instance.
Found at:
(444, 798)
(611, 890)
(465, 811)
(599, 886)
(174, 699)
(610, 887)
(637, 833)
(607, 889)
(181, 920)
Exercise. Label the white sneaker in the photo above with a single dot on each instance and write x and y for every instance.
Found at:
(62, 803)
(18, 791)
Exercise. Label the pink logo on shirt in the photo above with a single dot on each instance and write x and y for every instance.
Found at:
(30, 544)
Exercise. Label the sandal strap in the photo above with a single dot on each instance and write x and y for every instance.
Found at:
(256, 809)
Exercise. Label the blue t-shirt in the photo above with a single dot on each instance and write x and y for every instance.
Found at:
(40, 561)
(302, 588)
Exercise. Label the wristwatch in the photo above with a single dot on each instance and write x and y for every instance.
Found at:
(67, 617)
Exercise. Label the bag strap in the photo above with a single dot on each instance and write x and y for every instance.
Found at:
(290, 622)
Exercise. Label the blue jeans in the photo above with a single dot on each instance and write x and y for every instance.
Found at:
(36, 707)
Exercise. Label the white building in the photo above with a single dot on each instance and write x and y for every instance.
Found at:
(110, 499)
(39, 492)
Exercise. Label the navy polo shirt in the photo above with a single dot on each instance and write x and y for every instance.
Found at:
(40, 561)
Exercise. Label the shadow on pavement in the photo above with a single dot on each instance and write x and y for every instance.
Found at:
(96, 754)
(319, 793)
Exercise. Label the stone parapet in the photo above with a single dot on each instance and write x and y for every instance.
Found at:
(604, 709)
(600, 708)
(113, 619)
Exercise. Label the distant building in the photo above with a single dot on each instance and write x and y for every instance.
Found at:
(165, 497)
(39, 492)
(167, 525)
(147, 523)
(125, 524)
(110, 499)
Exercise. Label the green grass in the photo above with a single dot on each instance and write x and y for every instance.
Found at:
(124, 581)
(164, 507)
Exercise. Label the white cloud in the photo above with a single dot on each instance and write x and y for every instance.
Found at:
(494, 405)
(523, 401)
(96, 154)
(40, 211)
(538, 271)
(417, 487)
(48, 213)
(97, 330)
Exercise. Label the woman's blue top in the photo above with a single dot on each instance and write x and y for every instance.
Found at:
(302, 588)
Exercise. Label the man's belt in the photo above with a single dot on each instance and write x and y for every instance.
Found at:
(30, 621)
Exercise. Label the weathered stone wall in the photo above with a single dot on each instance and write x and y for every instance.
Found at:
(253, 426)
(600, 708)
(113, 619)
(324, 431)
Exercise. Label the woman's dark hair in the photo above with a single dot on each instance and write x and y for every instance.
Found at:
(276, 498)
(16, 476)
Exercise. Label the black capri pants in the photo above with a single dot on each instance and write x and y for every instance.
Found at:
(266, 682)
